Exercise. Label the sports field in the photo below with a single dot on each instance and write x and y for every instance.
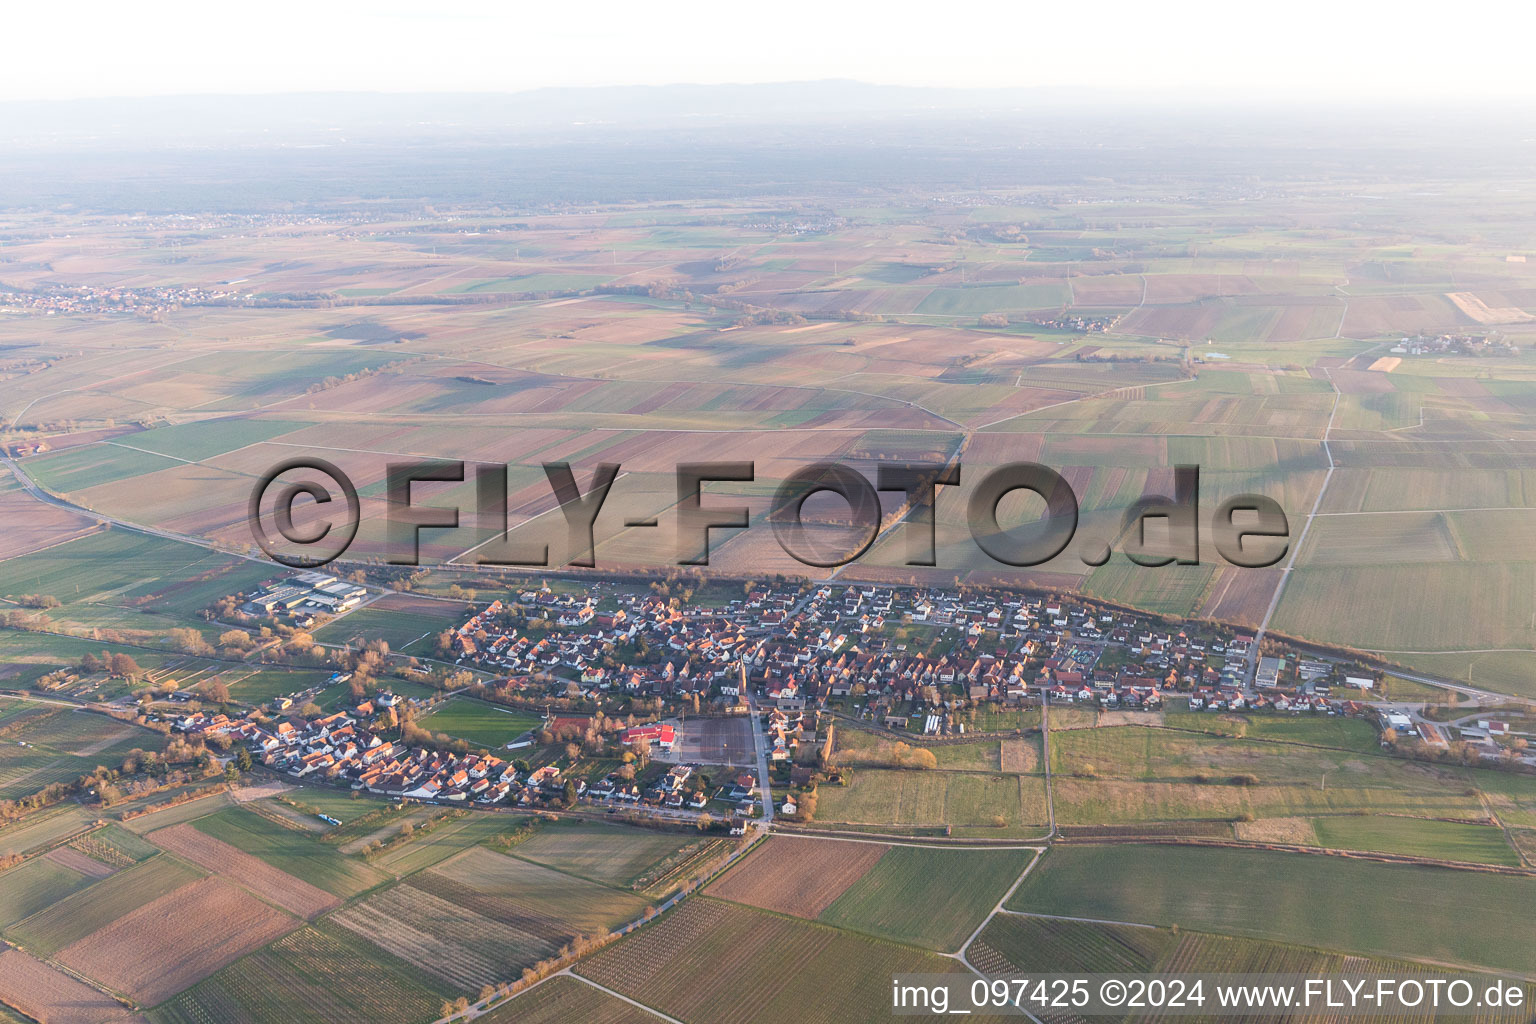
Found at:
(482, 724)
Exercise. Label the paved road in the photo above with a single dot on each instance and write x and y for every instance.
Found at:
(761, 744)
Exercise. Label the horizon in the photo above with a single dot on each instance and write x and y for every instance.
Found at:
(1318, 51)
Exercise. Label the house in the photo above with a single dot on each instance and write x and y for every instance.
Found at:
(662, 734)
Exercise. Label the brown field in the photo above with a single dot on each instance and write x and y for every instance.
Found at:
(797, 876)
(292, 894)
(31, 525)
(77, 861)
(1240, 595)
(1478, 310)
(1296, 831)
(1110, 718)
(1019, 756)
(260, 791)
(176, 940)
(47, 994)
(458, 945)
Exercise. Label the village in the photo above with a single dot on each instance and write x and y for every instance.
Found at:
(785, 660)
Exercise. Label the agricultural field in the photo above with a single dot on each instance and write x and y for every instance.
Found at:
(1414, 837)
(442, 842)
(45, 993)
(463, 948)
(931, 897)
(972, 803)
(1252, 893)
(410, 632)
(46, 744)
(44, 829)
(254, 873)
(294, 853)
(173, 941)
(548, 902)
(800, 877)
(607, 854)
(317, 975)
(668, 965)
(35, 885)
(563, 998)
(1016, 944)
(482, 724)
(67, 920)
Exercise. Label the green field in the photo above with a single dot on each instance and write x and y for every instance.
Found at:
(1317, 730)
(345, 806)
(443, 842)
(482, 724)
(112, 567)
(835, 977)
(299, 853)
(1416, 837)
(1012, 943)
(971, 803)
(403, 631)
(1327, 902)
(933, 897)
(1029, 945)
(91, 465)
(611, 854)
(1111, 801)
(543, 900)
(205, 439)
(43, 828)
(34, 886)
(535, 283)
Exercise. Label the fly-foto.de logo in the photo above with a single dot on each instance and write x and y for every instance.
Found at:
(306, 512)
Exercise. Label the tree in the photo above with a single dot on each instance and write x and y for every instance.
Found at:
(217, 691)
(122, 666)
(243, 759)
(235, 640)
(570, 792)
(706, 821)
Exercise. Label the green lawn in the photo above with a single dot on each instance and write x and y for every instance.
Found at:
(1463, 917)
(482, 724)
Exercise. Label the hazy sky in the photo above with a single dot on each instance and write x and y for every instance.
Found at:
(1307, 50)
